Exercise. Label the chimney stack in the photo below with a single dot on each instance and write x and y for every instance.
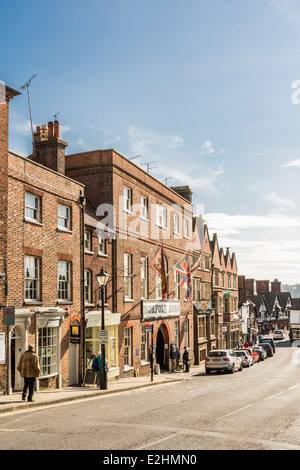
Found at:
(262, 286)
(49, 149)
(249, 283)
(276, 286)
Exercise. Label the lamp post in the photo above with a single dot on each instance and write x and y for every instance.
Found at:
(102, 279)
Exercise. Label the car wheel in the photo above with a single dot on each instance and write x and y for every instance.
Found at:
(233, 369)
(241, 368)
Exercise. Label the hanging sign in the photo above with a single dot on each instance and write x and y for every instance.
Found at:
(9, 315)
(103, 336)
(75, 334)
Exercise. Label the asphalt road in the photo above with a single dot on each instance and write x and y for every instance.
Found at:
(255, 409)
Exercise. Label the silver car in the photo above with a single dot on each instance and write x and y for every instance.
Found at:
(278, 334)
(223, 359)
(247, 359)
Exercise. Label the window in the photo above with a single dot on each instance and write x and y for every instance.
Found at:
(102, 245)
(206, 262)
(176, 285)
(196, 289)
(207, 291)
(234, 281)
(127, 276)
(186, 228)
(177, 339)
(127, 198)
(144, 207)
(32, 281)
(87, 241)
(229, 280)
(32, 207)
(64, 217)
(47, 350)
(144, 344)
(216, 273)
(201, 327)
(223, 279)
(64, 283)
(158, 282)
(176, 224)
(128, 346)
(88, 285)
(144, 278)
(162, 219)
(186, 332)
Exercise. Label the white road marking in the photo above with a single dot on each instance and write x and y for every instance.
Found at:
(294, 386)
(273, 396)
(236, 411)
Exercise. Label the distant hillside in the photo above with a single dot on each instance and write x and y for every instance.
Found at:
(294, 290)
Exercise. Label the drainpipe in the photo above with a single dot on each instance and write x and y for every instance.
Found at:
(82, 201)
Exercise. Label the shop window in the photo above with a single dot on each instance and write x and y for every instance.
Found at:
(47, 350)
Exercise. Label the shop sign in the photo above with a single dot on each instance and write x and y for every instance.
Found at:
(156, 309)
(8, 315)
(75, 334)
(204, 306)
(224, 328)
(103, 336)
(41, 321)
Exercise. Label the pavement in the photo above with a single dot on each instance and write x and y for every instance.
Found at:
(13, 402)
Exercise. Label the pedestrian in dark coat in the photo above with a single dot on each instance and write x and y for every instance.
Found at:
(29, 369)
(185, 358)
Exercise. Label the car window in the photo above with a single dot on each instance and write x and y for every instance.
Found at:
(217, 354)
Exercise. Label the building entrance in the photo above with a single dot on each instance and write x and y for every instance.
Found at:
(162, 348)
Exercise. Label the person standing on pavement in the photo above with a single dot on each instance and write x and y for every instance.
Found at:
(29, 369)
(172, 357)
(185, 358)
(177, 358)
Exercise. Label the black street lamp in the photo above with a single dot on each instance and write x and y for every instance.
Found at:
(102, 279)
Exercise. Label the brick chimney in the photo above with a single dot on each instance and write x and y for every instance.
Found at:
(262, 286)
(250, 289)
(184, 191)
(49, 149)
(242, 289)
(276, 286)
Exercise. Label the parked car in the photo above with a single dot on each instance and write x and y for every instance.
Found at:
(268, 348)
(270, 341)
(278, 334)
(261, 351)
(223, 359)
(247, 359)
(253, 353)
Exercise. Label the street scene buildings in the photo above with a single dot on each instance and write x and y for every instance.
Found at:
(63, 218)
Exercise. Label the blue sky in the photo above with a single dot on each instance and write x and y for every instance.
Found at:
(201, 87)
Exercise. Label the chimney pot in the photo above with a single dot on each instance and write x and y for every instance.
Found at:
(50, 130)
(56, 130)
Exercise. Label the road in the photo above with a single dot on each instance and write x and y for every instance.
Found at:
(255, 409)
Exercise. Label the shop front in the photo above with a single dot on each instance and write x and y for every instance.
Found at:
(92, 345)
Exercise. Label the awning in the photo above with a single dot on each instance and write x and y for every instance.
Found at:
(94, 318)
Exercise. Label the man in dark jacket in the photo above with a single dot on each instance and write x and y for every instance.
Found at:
(185, 358)
(29, 368)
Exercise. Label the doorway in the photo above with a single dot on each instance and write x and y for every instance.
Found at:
(16, 349)
(73, 360)
(162, 348)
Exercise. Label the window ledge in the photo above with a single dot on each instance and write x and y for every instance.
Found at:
(33, 302)
(102, 255)
(128, 368)
(65, 230)
(128, 300)
(88, 252)
(145, 363)
(33, 221)
(65, 302)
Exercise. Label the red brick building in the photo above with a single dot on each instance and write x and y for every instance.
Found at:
(42, 262)
(145, 215)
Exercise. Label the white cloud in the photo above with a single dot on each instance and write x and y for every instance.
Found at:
(266, 246)
(295, 163)
(207, 148)
(277, 200)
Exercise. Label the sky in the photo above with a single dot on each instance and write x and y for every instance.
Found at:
(206, 90)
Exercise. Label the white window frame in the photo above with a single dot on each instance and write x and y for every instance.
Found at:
(87, 240)
(64, 220)
(88, 286)
(64, 285)
(186, 228)
(48, 351)
(32, 207)
(128, 347)
(101, 245)
(127, 276)
(176, 224)
(144, 344)
(144, 278)
(144, 208)
(32, 277)
(127, 199)
(162, 216)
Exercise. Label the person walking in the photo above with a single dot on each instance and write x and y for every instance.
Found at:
(96, 367)
(29, 369)
(185, 358)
